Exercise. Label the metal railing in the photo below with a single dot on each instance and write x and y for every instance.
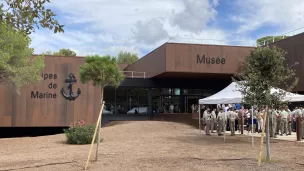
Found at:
(252, 43)
(290, 33)
(134, 74)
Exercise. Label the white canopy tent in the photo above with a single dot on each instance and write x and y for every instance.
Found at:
(230, 94)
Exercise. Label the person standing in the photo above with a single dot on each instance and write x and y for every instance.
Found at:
(259, 118)
(272, 122)
(302, 123)
(232, 115)
(220, 122)
(279, 118)
(207, 120)
(289, 121)
(241, 114)
(284, 115)
(192, 108)
(213, 120)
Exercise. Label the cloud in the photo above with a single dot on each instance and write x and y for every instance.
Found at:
(282, 16)
(106, 27)
(196, 15)
(150, 31)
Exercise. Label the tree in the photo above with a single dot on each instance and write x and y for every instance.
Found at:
(127, 57)
(61, 52)
(24, 15)
(262, 70)
(17, 66)
(102, 71)
(47, 53)
(269, 39)
(65, 52)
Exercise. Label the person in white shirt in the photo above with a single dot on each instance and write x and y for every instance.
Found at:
(207, 120)
(213, 120)
(259, 117)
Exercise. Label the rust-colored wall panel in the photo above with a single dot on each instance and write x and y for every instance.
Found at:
(183, 58)
(295, 53)
(23, 110)
(152, 64)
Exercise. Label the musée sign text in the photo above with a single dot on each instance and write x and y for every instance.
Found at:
(51, 85)
(208, 60)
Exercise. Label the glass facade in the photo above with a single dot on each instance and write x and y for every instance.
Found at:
(124, 100)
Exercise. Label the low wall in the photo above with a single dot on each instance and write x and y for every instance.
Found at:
(186, 118)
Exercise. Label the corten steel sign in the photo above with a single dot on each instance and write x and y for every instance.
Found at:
(176, 58)
(51, 85)
(44, 104)
(209, 60)
(70, 96)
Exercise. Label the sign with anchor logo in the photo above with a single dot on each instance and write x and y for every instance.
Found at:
(70, 96)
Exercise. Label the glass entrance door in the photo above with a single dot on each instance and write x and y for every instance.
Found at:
(189, 100)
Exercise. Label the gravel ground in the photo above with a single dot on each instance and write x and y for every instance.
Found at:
(147, 146)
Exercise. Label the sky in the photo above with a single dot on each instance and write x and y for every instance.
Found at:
(109, 26)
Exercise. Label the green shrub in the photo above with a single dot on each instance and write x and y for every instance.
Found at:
(80, 133)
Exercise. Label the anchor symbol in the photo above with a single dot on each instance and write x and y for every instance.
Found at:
(71, 96)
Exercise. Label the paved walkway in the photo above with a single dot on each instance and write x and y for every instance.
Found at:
(292, 137)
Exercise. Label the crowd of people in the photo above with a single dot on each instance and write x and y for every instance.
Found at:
(235, 117)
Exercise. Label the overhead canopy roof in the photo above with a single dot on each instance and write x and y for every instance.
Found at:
(230, 94)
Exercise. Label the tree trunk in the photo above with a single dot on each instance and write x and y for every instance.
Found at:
(99, 125)
(267, 139)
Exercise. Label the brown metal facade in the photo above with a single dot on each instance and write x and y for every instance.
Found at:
(152, 64)
(295, 53)
(25, 110)
(171, 60)
(190, 58)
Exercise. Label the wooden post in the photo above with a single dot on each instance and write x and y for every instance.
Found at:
(199, 118)
(262, 137)
(98, 136)
(92, 143)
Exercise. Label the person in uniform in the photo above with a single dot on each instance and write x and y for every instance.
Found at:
(289, 121)
(207, 120)
(192, 108)
(272, 122)
(284, 122)
(213, 120)
(232, 115)
(225, 120)
(301, 116)
(220, 122)
(278, 120)
(302, 123)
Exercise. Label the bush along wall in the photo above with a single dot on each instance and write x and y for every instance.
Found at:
(80, 132)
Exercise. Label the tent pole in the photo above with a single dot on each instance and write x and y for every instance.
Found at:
(225, 127)
(199, 119)
(252, 127)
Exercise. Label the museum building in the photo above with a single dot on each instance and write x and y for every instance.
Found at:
(170, 79)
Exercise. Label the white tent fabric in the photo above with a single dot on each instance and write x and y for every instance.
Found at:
(230, 94)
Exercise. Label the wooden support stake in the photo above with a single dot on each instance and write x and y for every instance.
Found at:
(92, 143)
(98, 136)
(262, 137)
